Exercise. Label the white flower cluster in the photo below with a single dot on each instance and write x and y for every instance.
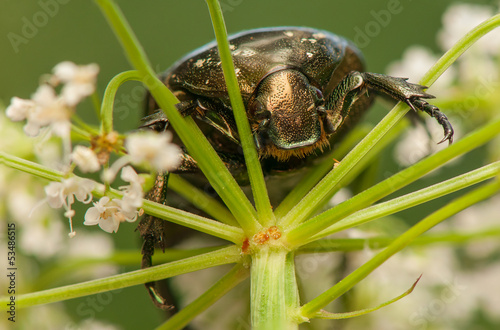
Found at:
(48, 109)
(151, 148)
(109, 213)
(142, 148)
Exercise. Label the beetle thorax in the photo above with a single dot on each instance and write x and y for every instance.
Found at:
(286, 120)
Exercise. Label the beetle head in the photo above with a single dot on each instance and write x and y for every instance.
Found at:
(287, 114)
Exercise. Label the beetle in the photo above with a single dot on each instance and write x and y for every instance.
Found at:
(302, 89)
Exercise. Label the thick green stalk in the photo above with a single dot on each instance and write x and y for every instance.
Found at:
(268, 293)
(455, 206)
(262, 203)
(292, 297)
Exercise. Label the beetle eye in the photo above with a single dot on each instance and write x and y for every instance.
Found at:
(258, 111)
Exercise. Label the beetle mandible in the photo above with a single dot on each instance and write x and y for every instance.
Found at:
(302, 89)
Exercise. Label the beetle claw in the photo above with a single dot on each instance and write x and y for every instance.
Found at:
(440, 117)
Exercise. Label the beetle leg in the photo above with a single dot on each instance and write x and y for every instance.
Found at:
(339, 102)
(411, 94)
(220, 117)
(152, 231)
(158, 121)
(355, 83)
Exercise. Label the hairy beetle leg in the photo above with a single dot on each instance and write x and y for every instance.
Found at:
(411, 94)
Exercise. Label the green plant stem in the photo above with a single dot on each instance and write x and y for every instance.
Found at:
(323, 189)
(179, 320)
(208, 226)
(30, 167)
(458, 49)
(318, 172)
(109, 98)
(187, 219)
(359, 167)
(81, 128)
(254, 169)
(322, 314)
(56, 272)
(223, 256)
(455, 206)
(192, 137)
(201, 200)
(320, 193)
(292, 297)
(359, 244)
(268, 294)
(306, 230)
(409, 200)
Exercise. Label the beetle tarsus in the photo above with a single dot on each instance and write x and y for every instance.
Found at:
(411, 94)
(434, 112)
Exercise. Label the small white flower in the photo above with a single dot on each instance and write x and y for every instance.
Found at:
(154, 149)
(63, 194)
(44, 109)
(19, 109)
(108, 214)
(86, 159)
(79, 80)
(133, 193)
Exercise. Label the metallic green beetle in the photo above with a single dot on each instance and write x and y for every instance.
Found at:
(302, 89)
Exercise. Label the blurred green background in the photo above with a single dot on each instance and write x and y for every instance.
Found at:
(36, 35)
